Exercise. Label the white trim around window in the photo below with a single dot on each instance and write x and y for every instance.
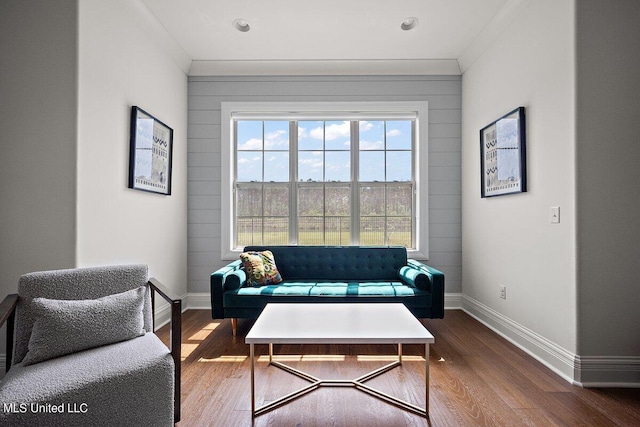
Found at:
(338, 110)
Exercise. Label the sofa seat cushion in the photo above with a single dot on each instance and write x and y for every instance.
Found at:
(298, 291)
(114, 382)
(285, 288)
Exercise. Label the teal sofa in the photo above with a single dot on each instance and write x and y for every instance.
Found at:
(350, 274)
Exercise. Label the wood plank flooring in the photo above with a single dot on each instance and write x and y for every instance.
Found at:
(477, 379)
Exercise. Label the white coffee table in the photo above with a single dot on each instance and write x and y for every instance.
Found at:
(342, 323)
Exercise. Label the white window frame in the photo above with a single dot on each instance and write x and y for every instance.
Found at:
(328, 110)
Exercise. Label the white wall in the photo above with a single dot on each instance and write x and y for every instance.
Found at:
(122, 63)
(38, 123)
(509, 240)
(608, 228)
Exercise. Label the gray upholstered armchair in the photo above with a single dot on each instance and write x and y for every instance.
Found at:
(84, 352)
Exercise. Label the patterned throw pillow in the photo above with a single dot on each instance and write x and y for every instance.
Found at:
(261, 268)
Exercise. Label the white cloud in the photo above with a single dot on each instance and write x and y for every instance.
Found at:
(394, 132)
(365, 126)
(251, 144)
(251, 161)
(279, 138)
(331, 132)
(371, 145)
(317, 133)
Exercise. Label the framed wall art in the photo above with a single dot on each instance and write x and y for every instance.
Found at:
(503, 155)
(150, 156)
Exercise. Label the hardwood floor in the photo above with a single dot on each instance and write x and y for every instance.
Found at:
(477, 379)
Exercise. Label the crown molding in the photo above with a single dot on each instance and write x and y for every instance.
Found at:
(325, 67)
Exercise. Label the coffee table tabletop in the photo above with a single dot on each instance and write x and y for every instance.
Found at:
(338, 323)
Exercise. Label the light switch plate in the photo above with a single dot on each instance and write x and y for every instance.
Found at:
(554, 215)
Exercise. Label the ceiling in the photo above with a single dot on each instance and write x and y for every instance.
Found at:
(341, 35)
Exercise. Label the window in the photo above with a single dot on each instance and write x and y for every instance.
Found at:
(324, 174)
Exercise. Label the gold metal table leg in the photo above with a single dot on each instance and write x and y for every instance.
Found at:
(253, 381)
(358, 383)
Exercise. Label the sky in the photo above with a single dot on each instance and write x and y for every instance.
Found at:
(269, 154)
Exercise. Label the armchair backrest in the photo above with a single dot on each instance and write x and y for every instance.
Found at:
(74, 284)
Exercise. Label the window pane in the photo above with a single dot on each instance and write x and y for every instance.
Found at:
(337, 135)
(249, 231)
(399, 135)
(276, 201)
(310, 166)
(399, 232)
(371, 135)
(249, 166)
(310, 215)
(249, 201)
(310, 135)
(276, 135)
(337, 231)
(311, 230)
(399, 201)
(249, 135)
(276, 166)
(338, 201)
(276, 231)
(371, 166)
(311, 201)
(372, 231)
(338, 166)
(398, 166)
(386, 213)
(372, 201)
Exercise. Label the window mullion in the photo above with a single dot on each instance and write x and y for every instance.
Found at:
(293, 182)
(355, 187)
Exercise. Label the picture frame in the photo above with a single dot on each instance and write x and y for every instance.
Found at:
(151, 153)
(503, 155)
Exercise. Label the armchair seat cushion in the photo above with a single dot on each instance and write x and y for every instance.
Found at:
(69, 383)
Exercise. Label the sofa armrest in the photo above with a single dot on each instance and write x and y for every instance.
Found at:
(436, 278)
(218, 283)
(8, 315)
(235, 280)
(415, 278)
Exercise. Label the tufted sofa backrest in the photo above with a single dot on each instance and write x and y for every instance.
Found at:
(337, 263)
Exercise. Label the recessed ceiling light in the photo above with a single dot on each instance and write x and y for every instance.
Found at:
(409, 23)
(241, 25)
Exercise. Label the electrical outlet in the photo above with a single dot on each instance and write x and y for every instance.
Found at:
(503, 292)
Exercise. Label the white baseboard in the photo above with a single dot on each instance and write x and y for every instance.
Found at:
(583, 371)
(556, 358)
(199, 301)
(608, 371)
(452, 301)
